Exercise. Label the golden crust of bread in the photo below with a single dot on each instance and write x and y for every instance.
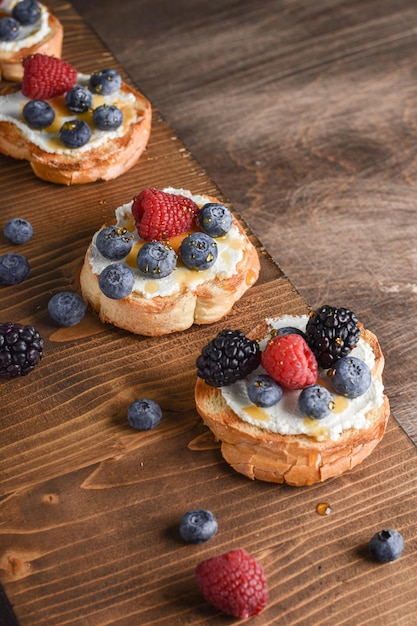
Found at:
(297, 460)
(157, 316)
(11, 67)
(104, 162)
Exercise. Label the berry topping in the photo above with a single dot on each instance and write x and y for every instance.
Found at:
(116, 281)
(234, 583)
(198, 251)
(316, 402)
(229, 357)
(66, 308)
(105, 82)
(144, 414)
(9, 29)
(75, 133)
(215, 219)
(26, 12)
(160, 215)
(289, 360)
(78, 99)
(46, 77)
(114, 243)
(351, 377)
(18, 230)
(21, 348)
(156, 259)
(263, 390)
(198, 526)
(331, 334)
(386, 546)
(107, 117)
(38, 113)
(14, 269)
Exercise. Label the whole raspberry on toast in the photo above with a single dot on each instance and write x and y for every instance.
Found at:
(158, 270)
(310, 406)
(73, 128)
(26, 27)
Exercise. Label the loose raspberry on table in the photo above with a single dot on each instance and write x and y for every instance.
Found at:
(234, 583)
(160, 215)
(46, 77)
(289, 361)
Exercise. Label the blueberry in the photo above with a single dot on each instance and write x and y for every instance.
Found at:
(290, 330)
(156, 259)
(116, 281)
(263, 390)
(144, 414)
(18, 230)
(107, 117)
(66, 308)
(198, 251)
(387, 545)
(9, 29)
(75, 133)
(78, 99)
(114, 243)
(315, 401)
(198, 526)
(38, 113)
(105, 82)
(215, 219)
(26, 12)
(351, 377)
(14, 268)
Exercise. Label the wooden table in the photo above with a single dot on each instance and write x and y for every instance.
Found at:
(304, 117)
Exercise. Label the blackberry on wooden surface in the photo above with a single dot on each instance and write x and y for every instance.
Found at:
(21, 348)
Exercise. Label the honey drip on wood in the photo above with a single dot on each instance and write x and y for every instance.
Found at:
(323, 508)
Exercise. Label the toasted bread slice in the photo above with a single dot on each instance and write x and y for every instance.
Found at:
(206, 298)
(300, 459)
(46, 41)
(106, 156)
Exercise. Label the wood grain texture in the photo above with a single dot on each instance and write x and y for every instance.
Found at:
(89, 509)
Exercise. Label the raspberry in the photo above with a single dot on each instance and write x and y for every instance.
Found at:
(46, 77)
(233, 582)
(289, 361)
(160, 215)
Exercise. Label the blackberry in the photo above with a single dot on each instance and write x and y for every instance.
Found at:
(21, 348)
(229, 357)
(331, 334)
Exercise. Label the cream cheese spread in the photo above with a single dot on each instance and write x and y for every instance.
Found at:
(28, 35)
(285, 417)
(11, 106)
(230, 252)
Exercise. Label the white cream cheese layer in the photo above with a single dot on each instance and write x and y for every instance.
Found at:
(230, 252)
(285, 417)
(11, 106)
(28, 35)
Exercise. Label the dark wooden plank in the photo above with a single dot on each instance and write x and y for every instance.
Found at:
(89, 508)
